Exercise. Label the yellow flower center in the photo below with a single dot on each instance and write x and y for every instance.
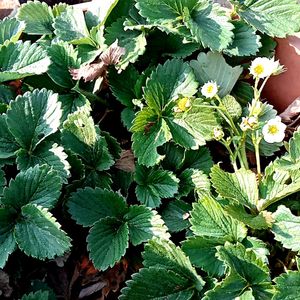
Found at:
(210, 89)
(183, 103)
(259, 69)
(273, 129)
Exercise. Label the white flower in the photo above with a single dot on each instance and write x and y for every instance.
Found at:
(218, 133)
(248, 123)
(209, 89)
(262, 67)
(274, 131)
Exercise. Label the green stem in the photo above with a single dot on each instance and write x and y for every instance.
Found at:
(256, 141)
(231, 154)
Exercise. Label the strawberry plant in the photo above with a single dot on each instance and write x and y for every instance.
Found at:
(139, 132)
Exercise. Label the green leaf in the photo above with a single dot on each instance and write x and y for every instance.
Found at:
(8, 145)
(88, 205)
(7, 240)
(258, 247)
(45, 153)
(212, 66)
(19, 60)
(156, 284)
(143, 224)
(176, 215)
(10, 30)
(232, 106)
(145, 144)
(38, 18)
(209, 219)
(286, 228)
(39, 112)
(202, 253)
(39, 235)
(37, 296)
(164, 254)
(287, 286)
(168, 82)
(134, 42)
(240, 186)
(107, 242)
(273, 17)
(6, 94)
(63, 58)
(209, 25)
(245, 41)
(70, 27)
(154, 184)
(39, 185)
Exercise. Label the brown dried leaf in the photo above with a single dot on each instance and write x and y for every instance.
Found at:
(5, 289)
(112, 55)
(126, 161)
(292, 111)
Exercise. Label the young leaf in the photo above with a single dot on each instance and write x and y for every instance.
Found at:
(39, 185)
(88, 206)
(270, 16)
(212, 66)
(286, 228)
(7, 240)
(209, 25)
(245, 41)
(209, 219)
(39, 235)
(37, 296)
(19, 60)
(107, 242)
(134, 42)
(240, 186)
(143, 224)
(287, 286)
(154, 184)
(176, 215)
(39, 112)
(37, 16)
(202, 253)
(70, 27)
(157, 283)
(63, 58)
(168, 82)
(10, 30)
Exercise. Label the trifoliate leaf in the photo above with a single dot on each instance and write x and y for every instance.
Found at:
(7, 240)
(39, 235)
(107, 242)
(145, 144)
(88, 206)
(63, 58)
(213, 67)
(245, 41)
(39, 112)
(240, 186)
(37, 16)
(39, 185)
(10, 30)
(19, 60)
(168, 82)
(209, 25)
(202, 253)
(157, 283)
(37, 296)
(134, 42)
(176, 215)
(270, 16)
(8, 145)
(209, 219)
(286, 228)
(192, 180)
(287, 286)
(164, 254)
(45, 153)
(143, 224)
(70, 27)
(154, 184)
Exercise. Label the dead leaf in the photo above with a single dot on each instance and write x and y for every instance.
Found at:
(126, 161)
(112, 55)
(292, 111)
(5, 289)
